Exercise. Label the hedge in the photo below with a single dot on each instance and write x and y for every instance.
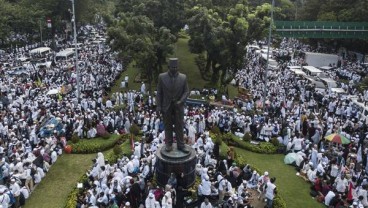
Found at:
(71, 201)
(88, 146)
(262, 147)
(278, 201)
(125, 150)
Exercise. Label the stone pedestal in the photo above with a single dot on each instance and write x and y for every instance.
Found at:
(175, 162)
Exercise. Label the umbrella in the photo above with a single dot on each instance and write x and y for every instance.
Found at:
(290, 158)
(337, 138)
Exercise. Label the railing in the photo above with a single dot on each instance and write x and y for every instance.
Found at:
(299, 29)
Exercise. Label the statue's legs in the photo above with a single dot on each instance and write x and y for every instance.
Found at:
(168, 122)
(179, 126)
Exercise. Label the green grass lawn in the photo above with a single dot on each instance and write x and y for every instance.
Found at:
(293, 189)
(59, 181)
(187, 65)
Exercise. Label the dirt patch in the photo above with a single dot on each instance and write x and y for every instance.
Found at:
(255, 202)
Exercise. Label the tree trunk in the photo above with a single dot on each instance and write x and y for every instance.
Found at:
(215, 73)
(208, 64)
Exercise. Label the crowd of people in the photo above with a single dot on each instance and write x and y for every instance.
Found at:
(294, 113)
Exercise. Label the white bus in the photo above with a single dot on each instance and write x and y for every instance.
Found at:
(42, 51)
(64, 55)
(311, 70)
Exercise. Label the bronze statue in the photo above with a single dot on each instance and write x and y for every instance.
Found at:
(172, 91)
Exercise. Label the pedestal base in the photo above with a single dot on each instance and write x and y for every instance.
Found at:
(175, 162)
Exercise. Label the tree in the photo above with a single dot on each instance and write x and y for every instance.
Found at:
(136, 39)
(221, 33)
(163, 13)
(5, 10)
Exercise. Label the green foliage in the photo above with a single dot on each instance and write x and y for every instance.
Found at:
(262, 147)
(218, 139)
(227, 137)
(363, 85)
(247, 137)
(221, 33)
(29, 16)
(136, 38)
(75, 138)
(117, 149)
(96, 145)
(107, 135)
(134, 129)
(125, 149)
(279, 202)
(194, 188)
(352, 11)
(275, 142)
(72, 199)
(215, 130)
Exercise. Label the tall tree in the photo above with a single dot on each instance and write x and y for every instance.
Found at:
(137, 39)
(163, 13)
(220, 37)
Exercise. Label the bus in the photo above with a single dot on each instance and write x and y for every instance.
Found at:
(311, 70)
(64, 55)
(41, 51)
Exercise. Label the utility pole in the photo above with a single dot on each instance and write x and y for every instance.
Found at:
(76, 50)
(268, 56)
(40, 22)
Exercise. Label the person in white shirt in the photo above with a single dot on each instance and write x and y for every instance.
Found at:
(91, 133)
(25, 192)
(206, 204)
(205, 187)
(15, 190)
(224, 188)
(53, 156)
(329, 197)
(270, 190)
(4, 198)
(167, 200)
(341, 184)
(150, 201)
(143, 88)
(363, 193)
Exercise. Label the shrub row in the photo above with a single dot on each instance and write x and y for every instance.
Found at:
(118, 151)
(72, 198)
(88, 146)
(262, 147)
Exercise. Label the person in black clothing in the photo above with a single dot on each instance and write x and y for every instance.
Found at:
(180, 180)
(135, 194)
(119, 197)
(222, 168)
(180, 195)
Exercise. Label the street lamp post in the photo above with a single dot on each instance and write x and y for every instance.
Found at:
(76, 51)
(40, 22)
(268, 56)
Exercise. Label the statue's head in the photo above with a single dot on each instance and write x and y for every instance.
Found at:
(173, 65)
